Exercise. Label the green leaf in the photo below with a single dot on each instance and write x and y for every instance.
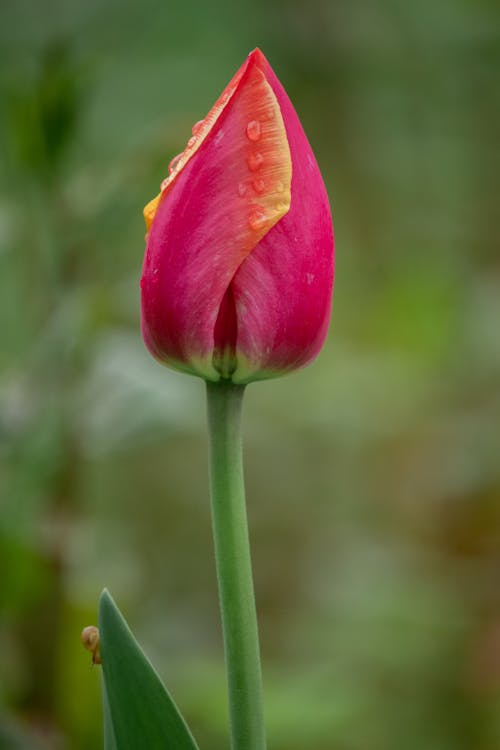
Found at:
(109, 734)
(138, 710)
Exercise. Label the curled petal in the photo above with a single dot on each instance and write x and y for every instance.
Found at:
(283, 290)
(227, 191)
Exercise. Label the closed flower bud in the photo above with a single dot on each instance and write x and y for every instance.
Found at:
(238, 272)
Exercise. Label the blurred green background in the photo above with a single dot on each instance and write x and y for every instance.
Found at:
(373, 476)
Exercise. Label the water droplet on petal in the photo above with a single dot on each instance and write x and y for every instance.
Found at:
(164, 182)
(257, 219)
(197, 127)
(253, 130)
(255, 161)
(191, 141)
(259, 186)
(173, 164)
(242, 189)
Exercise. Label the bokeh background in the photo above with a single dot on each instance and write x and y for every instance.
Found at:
(373, 476)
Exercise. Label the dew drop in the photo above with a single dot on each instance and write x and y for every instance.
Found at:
(191, 141)
(165, 182)
(259, 186)
(197, 127)
(242, 189)
(255, 161)
(173, 164)
(257, 219)
(253, 130)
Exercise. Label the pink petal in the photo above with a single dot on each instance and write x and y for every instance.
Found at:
(283, 289)
(225, 194)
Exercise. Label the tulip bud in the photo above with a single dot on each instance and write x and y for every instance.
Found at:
(238, 272)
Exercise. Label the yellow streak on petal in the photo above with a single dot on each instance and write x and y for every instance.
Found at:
(202, 130)
(268, 157)
(150, 210)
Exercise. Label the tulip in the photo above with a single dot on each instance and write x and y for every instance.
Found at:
(238, 271)
(236, 286)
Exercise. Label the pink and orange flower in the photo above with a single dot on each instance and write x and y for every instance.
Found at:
(238, 272)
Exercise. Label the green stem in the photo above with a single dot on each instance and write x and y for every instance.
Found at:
(234, 568)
